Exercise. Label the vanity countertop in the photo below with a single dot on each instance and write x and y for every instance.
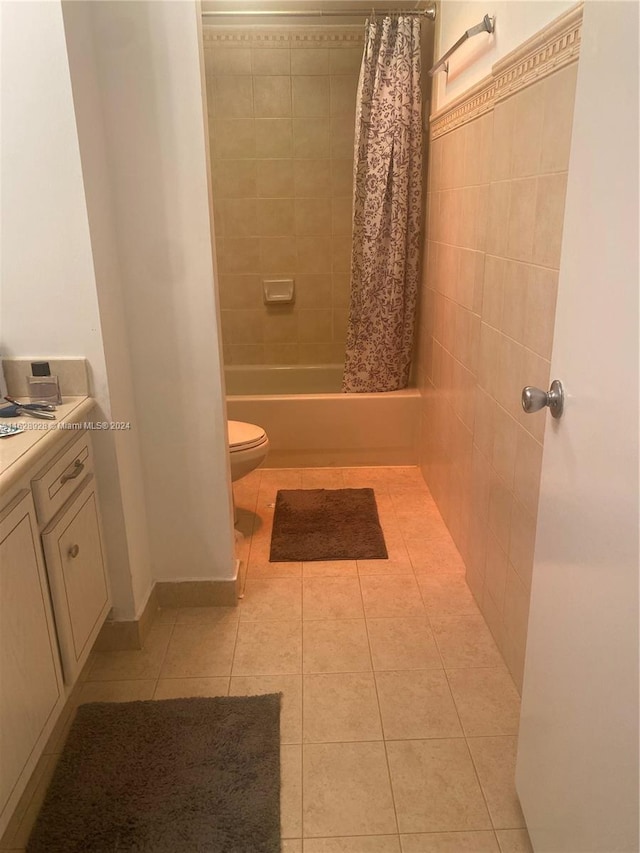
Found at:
(20, 452)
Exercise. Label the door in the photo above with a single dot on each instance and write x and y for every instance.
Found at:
(77, 574)
(577, 770)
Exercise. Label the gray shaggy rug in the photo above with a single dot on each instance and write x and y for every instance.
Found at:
(326, 524)
(171, 776)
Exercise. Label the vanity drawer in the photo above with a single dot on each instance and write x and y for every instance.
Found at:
(55, 484)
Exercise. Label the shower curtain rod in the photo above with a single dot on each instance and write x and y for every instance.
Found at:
(429, 12)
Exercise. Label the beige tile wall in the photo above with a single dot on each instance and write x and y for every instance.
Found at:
(495, 214)
(281, 123)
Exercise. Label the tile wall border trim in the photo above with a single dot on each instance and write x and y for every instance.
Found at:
(554, 47)
(543, 54)
(475, 102)
(244, 36)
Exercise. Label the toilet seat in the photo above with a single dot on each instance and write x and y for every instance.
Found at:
(244, 436)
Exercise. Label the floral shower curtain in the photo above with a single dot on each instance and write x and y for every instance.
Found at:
(387, 208)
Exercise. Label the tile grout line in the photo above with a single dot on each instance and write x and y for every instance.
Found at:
(484, 796)
(164, 657)
(386, 754)
(255, 517)
(301, 817)
(462, 729)
(302, 692)
(455, 705)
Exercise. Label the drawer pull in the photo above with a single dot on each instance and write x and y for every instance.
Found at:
(74, 551)
(78, 468)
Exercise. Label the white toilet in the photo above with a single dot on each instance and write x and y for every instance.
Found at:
(248, 448)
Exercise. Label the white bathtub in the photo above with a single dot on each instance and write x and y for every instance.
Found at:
(311, 423)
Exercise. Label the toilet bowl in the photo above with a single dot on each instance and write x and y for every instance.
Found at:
(248, 448)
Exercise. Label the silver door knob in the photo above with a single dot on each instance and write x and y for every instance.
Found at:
(534, 399)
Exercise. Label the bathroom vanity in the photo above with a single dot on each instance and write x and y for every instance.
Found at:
(54, 588)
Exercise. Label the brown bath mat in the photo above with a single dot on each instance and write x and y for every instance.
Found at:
(171, 776)
(326, 524)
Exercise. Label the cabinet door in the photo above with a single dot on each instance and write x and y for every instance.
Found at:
(30, 679)
(78, 578)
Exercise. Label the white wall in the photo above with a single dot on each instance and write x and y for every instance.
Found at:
(107, 255)
(49, 306)
(149, 79)
(48, 300)
(126, 456)
(515, 22)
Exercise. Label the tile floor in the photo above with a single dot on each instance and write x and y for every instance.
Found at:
(399, 716)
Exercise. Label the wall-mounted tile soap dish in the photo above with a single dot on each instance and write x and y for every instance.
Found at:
(278, 291)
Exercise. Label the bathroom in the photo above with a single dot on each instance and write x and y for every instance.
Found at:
(177, 338)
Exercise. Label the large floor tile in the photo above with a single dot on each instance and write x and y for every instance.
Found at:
(117, 691)
(206, 615)
(322, 478)
(495, 761)
(417, 704)
(331, 598)
(486, 699)
(450, 842)
(244, 519)
(340, 645)
(403, 643)
(391, 596)
(514, 841)
(396, 550)
(268, 648)
(354, 844)
(385, 567)
(330, 569)
(200, 650)
(292, 845)
(340, 707)
(263, 514)
(142, 663)
(435, 786)
(346, 790)
(259, 553)
(465, 641)
(405, 475)
(419, 520)
(446, 594)
(291, 790)
(271, 485)
(386, 509)
(366, 478)
(166, 615)
(261, 569)
(274, 599)
(434, 555)
(249, 484)
(408, 492)
(291, 709)
(262, 523)
(184, 688)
